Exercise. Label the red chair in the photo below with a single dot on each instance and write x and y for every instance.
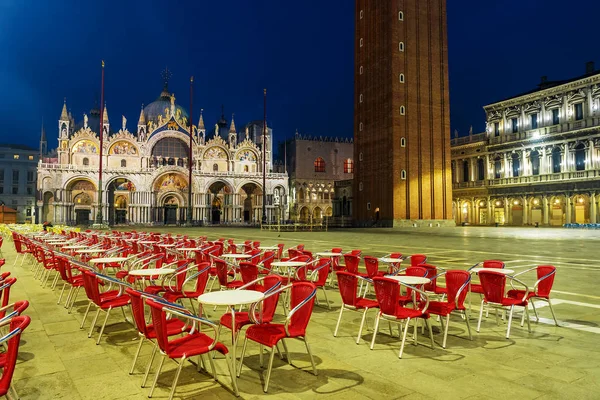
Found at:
(201, 278)
(250, 273)
(417, 259)
(265, 263)
(419, 271)
(271, 285)
(174, 282)
(457, 283)
(348, 285)
(1, 242)
(194, 343)
(280, 248)
(12, 341)
(13, 310)
(494, 288)
(351, 264)
(224, 270)
(317, 273)
(335, 261)
(388, 296)
(146, 331)
(269, 334)
(432, 275)
(541, 288)
(66, 274)
(477, 288)
(103, 301)
(5, 286)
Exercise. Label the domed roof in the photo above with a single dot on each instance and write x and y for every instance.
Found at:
(158, 107)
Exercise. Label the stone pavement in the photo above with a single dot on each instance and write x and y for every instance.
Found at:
(57, 360)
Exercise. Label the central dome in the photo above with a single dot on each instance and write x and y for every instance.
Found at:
(161, 105)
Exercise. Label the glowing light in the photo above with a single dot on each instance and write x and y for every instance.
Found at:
(516, 202)
(481, 203)
(497, 203)
(557, 201)
(580, 200)
(536, 202)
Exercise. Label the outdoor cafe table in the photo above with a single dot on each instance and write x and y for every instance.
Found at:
(268, 247)
(166, 244)
(90, 251)
(290, 265)
(147, 242)
(504, 271)
(392, 262)
(235, 256)
(230, 298)
(147, 273)
(328, 254)
(108, 260)
(187, 250)
(75, 247)
(409, 280)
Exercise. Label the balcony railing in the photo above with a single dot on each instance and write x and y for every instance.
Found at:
(520, 180)
(480, 137)
(543, 131)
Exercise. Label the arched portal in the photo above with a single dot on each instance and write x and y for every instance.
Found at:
(220, 196)
(83, 194)
(304, 215)
(48, 208)
(170, 208)
(252, 207)
(118, 193)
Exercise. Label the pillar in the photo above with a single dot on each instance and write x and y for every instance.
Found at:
(545, 217)
(525, 210)
(593, 208)
(507, 216)
(568, 209)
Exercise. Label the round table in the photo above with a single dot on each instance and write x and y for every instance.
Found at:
(166, 244)
(235, 256)
(151, 271)
(409, 280)
(90, 251)
(75, 246)
(290, 265)
(389, 260)
(268, 247)
(147, 242)
(504, 271)
(189, 248)
(328, 254)
(230, 298)
(108, 260)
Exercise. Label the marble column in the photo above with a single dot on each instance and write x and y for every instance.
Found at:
(568, 209)
(545, 217)
(593, 207)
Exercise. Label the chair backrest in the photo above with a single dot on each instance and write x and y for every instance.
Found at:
(351, 261)
(322, 269)
(493, 264)
(5, 286)
(222, 270)
(202, 277)
(255, 253)
(395, 255)
(249, 272)
(232, 248)
(303, 297)
(356, 252)
(493, 285)
(280, 248)
(267, 259)
(17, 325)
(292, 253)
(90, 284)
(387, 292)
(416, 271)
(159, 323)
(137, 309)
(431, 273)
(455, 281)
(269, 304)
(61, 265)
(348, 284)
(372, 265)
(300, 247)
(336, 250)
(15, 309)
(417, 259)
(545, 275)
(256, 244)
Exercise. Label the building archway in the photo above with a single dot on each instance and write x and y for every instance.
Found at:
(317, 215)
(170, 206)
(304, 215)
(499, 214)
(465, 212)
(118, 193)
(48, 207)
(220, 196)
(581, 209)
(537, 211)
(251, 204)
(83, 194)
(557, 210)
(516, 211)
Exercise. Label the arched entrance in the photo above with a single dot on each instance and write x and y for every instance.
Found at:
(251, 205)
(465, 212)
(48, 208)
(499, 215)
(483, 212)
(304, 215)
(170, 208)
(220, 196)
(516, 211)
(537, 211)
(581, 211)
(83, 195)
(557, 211)
(118, 200)
(317, 215)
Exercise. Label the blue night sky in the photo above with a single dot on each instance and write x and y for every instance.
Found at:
(303, 55)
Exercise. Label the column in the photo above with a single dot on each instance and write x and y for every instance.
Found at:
(568, 209)
(486, 173)
(592, 208)
(542, 117)
(506, 173)
(565, 158)
(525, 169)
(490, 216)
(472, 169)
(590, 155)
(525, 210)
(507, 217)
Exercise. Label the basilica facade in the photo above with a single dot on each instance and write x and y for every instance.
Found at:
(145, 172)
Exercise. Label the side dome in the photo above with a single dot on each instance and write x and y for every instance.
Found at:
(160, 107)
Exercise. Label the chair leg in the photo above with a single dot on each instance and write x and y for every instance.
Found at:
(537, 318)
(269, 370)
(287, 352)
(480, 316)
(87, 310)
(375, 330)
(446, 331)
(337, 326)
(362, 323)
(510, 315)
(326, 299)
(526, 312)
(404, 337)
(430, 333)
(162, 361)
(61, 293)
(231, 367)
(137, 353)
(242, 357)
(149, 366)
(312, 360)
(74, 299)
(94, 323)
(523, 316)
(174, 385)
(468, 325)
(103, 326)
(552, 311)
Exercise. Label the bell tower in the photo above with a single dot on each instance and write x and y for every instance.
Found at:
(64, 127)
(232, 133)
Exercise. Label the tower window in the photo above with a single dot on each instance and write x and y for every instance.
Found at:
(402, 142)
(361, 14)
(361, 42)
(123, 164)
(401, 46)
(360, 98)
(369, 206)
(401, 78)
(360, 186)
(360, 156)
(403, 174)
(402, 110)
(360, 127)
(86, 162)
(361, 70)
(348, 166)
(319, 165)
(400, 16)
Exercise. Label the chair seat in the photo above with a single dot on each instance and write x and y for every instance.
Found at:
(518, 294)
(111, 300)
(476, 288)
(241, 319)
(362, 303)
(121, 274)
(404, 313)
(441, 308)
(154, 289)
(508, 301)
(270, 334)
(440, 290)
(174, 327)
(193, 345)
(234, 284)
(174, 296)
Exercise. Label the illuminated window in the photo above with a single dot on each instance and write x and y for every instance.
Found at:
(360, 98)
(348, 166)
(402, 142)
(360, 156)
(361, 42)
(123, 163)
(403, 174)
(319, 165)
(86, 162)
(400, 16)
(402, 110)
(16, 156)
(360, 126)
(361, 14)
(361, 70)
(401, 46)
(401, 78)
(368, 206)
(30, 157)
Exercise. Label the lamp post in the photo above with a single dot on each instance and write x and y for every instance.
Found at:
(264, 153)
(190, 208)
(99, 216)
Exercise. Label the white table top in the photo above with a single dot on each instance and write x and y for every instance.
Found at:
(410, 280)
(329, 254)
(76, 246)
(230, 297)
(268, 247)
(90, 251)
(166, 244)
(106, 260)
(390, 260)
(235, 255)
(288, 263)
(189, 248)
(147, 242)
(62, 241)
(504, 271)
(151, 271)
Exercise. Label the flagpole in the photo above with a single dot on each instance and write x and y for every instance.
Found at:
(99, 217)
(264, 154)
(190, 208)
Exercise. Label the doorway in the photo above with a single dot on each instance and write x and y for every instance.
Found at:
(170, 211)
(82, 217)
(216, 210)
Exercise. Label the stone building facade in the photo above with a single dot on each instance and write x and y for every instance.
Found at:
(538, 161)
(18, 179)
(145, 172)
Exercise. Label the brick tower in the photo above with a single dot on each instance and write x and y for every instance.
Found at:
(401, 114)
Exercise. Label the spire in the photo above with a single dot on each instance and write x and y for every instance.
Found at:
(64, 115)
(105, 116)
(232, 126)
(43, 142)
(201, 122)
(142, 120)
(43, 136)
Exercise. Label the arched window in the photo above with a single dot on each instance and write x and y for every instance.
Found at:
(123, 163)
(402, 142)
(360, 156)
(361, 42)
(465, 171)
(171, 161)
(516, 165)
(401, 78)
(401, 46)
(360, 98)
(556, 160)
(319, 165)
(215, 167)
(480, 169)
(402, 110)
(403, 174)
(534, 157)
(580, 157)
(400, 16)
(498, 168)
(361, 70)
(360, 186)
(348, 166)
(360, 127)
(86, 161)
(246, 169)
(361, 14)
